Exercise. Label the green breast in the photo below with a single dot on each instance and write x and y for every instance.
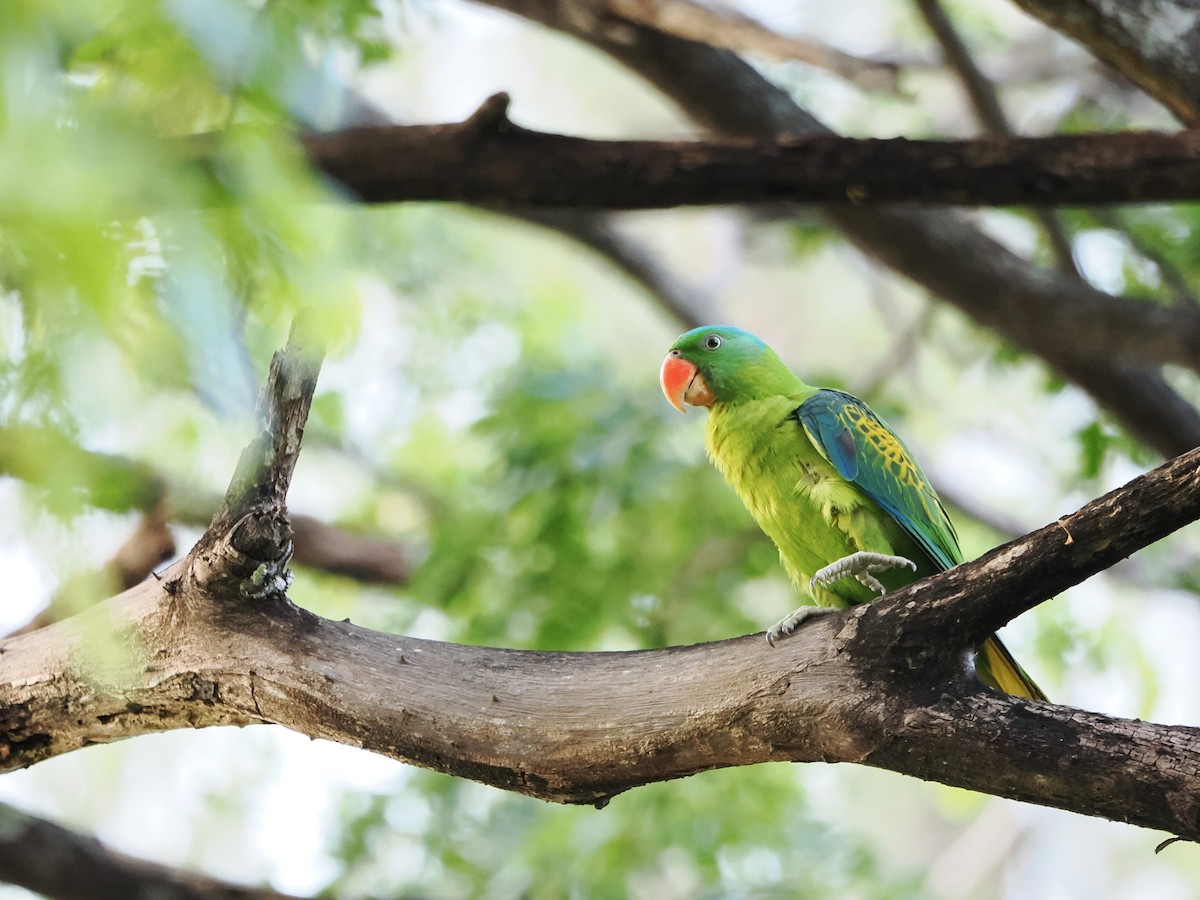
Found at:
(811, 512)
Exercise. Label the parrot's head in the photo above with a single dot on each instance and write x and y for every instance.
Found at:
(719, 364)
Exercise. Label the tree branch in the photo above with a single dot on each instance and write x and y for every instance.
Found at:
(881, 684)
(57, 863)
(974, 600)
(723, 27)
(489, 160)
(51, 459)
(986, 104)
(1154, 44)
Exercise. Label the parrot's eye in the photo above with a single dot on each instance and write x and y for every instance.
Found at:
(712, 342)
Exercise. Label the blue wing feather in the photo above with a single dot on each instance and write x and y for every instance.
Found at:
(866, 452)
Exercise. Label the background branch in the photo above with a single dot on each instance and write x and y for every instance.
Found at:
(1155, 45)
(724, 27)
(990, 112)
(58, 863)
(487, 157)
(489, 160)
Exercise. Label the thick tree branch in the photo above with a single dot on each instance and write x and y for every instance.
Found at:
(880, 685)
(489, 160)
(57, 863)
(973, 601)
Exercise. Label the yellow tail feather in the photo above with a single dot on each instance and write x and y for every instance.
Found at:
(995, 667)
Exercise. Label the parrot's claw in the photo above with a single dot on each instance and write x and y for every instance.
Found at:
(861, 565)
(789, 623)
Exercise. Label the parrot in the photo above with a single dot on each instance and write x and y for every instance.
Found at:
(840, 495)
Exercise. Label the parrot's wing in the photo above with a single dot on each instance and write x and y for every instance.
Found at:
(866, 452)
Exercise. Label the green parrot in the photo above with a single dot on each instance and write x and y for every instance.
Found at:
(829, 482)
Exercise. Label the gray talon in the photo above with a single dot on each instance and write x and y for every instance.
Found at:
(789, 623)
(861, 566)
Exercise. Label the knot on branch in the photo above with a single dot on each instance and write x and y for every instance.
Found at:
(490, 119)
(247, 548)
(247, 561)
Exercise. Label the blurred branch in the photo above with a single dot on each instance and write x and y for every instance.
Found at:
(904, 346)
(988, 109)
(45, 457)
(327, 548)
(57, 863)
(596, 231)
(1155, 45)
(941, 251)
(732, 30)
(487, 159)
(1174, 280)
(881, 684)
(150, 545)
(986, 103)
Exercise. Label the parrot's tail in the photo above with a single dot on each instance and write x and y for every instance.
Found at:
(995, 667)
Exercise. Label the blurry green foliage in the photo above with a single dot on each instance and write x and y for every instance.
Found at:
(585, 525)
(728, 833)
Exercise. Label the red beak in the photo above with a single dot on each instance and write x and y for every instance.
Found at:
(682, 383)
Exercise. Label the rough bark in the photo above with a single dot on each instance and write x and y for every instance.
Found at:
(215, 641)
(582, 727)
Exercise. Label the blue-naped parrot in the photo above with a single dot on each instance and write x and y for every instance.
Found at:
(828, 481)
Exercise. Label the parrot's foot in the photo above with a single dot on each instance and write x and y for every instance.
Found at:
(862, 566)
(789, 623)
